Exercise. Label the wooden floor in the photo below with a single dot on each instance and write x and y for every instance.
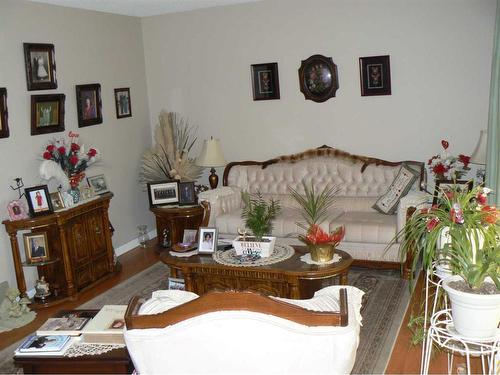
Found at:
(405, 359)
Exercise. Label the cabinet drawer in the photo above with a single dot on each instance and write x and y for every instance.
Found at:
(83, 276)
(100, 267)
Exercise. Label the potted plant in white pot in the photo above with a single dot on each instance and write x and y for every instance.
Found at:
(259, 215)
(314, 211)
(463, 232)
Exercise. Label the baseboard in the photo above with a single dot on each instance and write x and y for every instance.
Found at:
(132, 244)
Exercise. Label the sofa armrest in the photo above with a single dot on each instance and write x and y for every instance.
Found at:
(418, 199)
(222, 200)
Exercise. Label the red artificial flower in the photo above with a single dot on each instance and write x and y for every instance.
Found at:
(47, 155)
(74, 147)
(316, 235)
(92, 152)
(431, 159)
(337, 235)
(432, 223)
(490, 215)
(50, 148)
(62, 150)
(73, 160)
(481, 199)
(439, 169)
(465, 160)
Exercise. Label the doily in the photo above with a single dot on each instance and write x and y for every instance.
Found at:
(79, 349)
(306, 258)
(229, 257)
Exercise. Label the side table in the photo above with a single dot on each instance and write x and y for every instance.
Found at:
(177, 218)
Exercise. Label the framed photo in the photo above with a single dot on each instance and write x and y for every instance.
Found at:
(189, 236)
(39, 201)
(375, 75)
(176, 284)
(17, 210)
(36, 247)
(88, 104)
(40, 63)
(98, 184)
(4, 114)
(47, 113)
(445, 186)
(187, 193)
(318, 78)
(57, 200)
(207, 241)
(162, 193)
(265, 81)
(122, 103)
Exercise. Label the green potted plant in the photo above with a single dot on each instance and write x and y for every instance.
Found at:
(258, 215)
(314, 211)
(461, 232)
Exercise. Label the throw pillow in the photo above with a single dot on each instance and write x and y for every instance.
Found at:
(388, 202)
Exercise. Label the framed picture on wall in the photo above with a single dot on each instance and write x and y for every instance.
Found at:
(265, 81)
(40, 64)
(375, 75)
(122, 103)
(4, 114)
(47, 113)
(88, 104)
(318, 78)
(449, 186)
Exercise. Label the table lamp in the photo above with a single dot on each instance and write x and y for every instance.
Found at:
(479, 154)
(211, 156)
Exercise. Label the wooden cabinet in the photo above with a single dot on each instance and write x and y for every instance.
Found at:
(79, 238)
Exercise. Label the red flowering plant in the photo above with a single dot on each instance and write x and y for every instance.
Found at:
(448, 167)
(462, 229)
(72, 157)
(315, 210)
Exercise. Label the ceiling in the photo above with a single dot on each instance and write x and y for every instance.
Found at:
(142, 8)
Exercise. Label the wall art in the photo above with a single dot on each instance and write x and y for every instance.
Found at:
(40, 64)
(265, 81)
(318, 78)
(375, 75)
(88, 104)
(122, 103)
(47, 113)
(4, 114)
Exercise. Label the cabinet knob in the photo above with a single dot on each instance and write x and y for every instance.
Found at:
(98, 230)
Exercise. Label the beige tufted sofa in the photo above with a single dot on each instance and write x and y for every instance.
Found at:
(362, 180)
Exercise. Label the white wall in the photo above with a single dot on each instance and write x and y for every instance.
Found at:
(198, 63)
(90, 47)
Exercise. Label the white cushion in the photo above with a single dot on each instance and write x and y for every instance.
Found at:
(366, 227)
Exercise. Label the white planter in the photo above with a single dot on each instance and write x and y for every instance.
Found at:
(264, 249)
(474, 315)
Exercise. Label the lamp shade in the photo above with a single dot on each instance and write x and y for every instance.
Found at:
(211, 154)
(479, 154)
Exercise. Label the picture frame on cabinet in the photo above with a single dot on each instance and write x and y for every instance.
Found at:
(17, 210)
(40, 64)
(318, 78)
(4, 114)
(47, 113)
(375, 75)
(123, 103)
(36, 247)
(265, 81)
(187, 194)
(39, 202)
(98, 184)
(57, 200)
(163, 193)
(89, 104)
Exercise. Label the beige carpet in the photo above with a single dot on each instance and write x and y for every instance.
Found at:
(386, 301)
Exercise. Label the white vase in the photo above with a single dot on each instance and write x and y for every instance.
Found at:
(264, 249)
(474, 315)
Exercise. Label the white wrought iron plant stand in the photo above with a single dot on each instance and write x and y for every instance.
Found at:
(442, 333)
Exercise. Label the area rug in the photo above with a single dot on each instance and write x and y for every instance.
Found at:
(385, 303)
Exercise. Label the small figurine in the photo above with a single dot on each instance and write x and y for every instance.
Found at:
(166, 238)
(42, 288)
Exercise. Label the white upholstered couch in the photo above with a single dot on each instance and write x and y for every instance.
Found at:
(362, 180)
(177, 332)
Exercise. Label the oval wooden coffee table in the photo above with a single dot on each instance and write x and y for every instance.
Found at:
(290, 278)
